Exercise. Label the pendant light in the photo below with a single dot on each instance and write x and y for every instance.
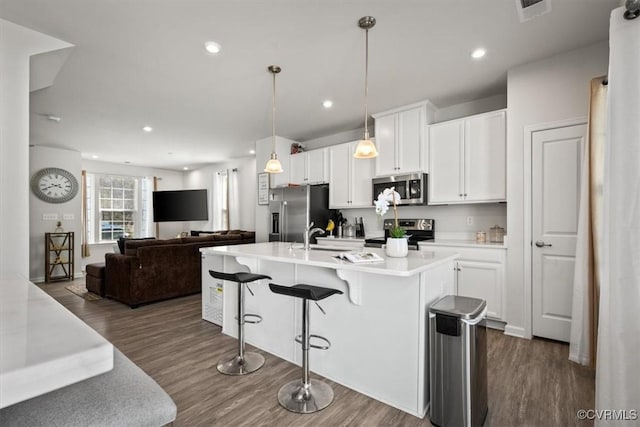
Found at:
(366, 149)
(273, 165)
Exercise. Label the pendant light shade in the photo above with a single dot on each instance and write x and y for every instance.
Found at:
(366, 149)
(273, 165)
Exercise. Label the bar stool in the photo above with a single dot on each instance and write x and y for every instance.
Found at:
(309, 395)
(243, 362)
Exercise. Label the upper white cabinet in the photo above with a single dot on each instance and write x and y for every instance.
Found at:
(309, 167)
(467, 159)
(349, 178)
(400, 140)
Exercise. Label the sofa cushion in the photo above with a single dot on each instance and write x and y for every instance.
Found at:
(131, 246)
(122, 241)
(248, 235)
(198, 239)
(226, 237)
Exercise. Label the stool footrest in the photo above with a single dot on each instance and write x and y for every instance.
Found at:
(298, 339)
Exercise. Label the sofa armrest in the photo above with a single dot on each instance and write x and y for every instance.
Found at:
(119, 275)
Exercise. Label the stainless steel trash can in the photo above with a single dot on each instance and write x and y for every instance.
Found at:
(458, 361)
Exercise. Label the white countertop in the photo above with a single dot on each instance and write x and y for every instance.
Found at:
(462, 244)
(43, 346)
(414, 263)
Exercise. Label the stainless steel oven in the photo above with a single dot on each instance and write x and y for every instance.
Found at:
(412, 187)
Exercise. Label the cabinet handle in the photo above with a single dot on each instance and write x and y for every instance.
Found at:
(465, 194)
(460, 194)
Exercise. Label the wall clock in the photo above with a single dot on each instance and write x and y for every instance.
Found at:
(54, 185)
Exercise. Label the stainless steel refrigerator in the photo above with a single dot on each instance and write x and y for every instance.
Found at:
(292, 209)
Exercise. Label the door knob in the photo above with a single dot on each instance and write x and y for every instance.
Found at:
(541, 244)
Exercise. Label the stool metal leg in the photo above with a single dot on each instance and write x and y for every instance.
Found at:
(243, 362)
(309, 395)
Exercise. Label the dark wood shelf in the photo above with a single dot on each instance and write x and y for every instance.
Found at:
(59, 256)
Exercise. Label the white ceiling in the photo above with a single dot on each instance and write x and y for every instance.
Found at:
(142, 63)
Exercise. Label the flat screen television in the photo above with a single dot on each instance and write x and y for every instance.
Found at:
(182, 205)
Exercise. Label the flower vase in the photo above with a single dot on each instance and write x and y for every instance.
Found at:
(397, 247)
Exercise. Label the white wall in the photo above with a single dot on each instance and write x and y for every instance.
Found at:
(450, 220)
(553, 89)
(17, 44)
(247, 183)
(167, 180)
(46, 157)
(483, 105)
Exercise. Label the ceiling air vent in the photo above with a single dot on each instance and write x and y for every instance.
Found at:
(529, 9)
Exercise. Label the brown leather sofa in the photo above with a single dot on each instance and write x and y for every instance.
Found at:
(154, 270)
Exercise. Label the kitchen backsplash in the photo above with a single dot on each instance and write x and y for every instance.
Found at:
(451, 221)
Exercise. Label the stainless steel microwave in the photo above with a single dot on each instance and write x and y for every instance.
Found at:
(412, 187)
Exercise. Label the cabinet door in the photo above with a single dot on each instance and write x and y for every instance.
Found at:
(446, 144)
(361, 175)
(339, 165)
(297, 168)
(482, 280)
(485, 158)
(385, 163)
(316, 166)
(409, 142)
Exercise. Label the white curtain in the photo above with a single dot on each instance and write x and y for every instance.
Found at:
(586, 283)
(234, 201)
(618, 360)
(220, 182)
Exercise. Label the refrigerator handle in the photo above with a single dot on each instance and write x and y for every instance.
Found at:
(283, 221)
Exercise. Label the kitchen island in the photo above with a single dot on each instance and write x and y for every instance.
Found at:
(378, 328)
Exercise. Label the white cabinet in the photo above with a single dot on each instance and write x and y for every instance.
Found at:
(467, 160)
(349, 178)
(400, 141)
(309, 167)
(480, 273)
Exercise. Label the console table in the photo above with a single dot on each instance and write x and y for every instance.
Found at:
(59, 255)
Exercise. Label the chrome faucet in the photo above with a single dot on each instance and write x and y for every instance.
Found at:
(308, 234)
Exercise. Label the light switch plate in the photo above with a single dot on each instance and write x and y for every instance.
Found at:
(49, 216)
(68, 217)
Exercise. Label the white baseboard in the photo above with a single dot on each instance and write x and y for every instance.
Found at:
(515, 331)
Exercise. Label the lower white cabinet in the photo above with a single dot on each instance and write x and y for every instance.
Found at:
(480, 273)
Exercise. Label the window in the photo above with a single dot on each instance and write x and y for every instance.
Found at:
(117, 206)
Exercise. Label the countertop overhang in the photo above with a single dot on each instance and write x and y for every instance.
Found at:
(414, 263)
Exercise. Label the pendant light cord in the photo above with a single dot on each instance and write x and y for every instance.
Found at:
(366, 85)
(273, 116)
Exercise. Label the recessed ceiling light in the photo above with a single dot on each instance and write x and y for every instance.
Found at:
(94, 156)
(478, 53)
(212, 47)
(252, 151)
(327, 103)
(185, 168)
(147, 128)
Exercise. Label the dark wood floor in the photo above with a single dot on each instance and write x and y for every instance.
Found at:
(531, 382)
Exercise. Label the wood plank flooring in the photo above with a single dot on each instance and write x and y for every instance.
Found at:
(531, 382)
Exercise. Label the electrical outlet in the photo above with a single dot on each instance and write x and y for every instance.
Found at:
(50, 217)
(469, 220)
(68, 217)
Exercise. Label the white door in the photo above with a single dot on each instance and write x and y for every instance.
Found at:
(339, 162)
(482, 280)
(386, 145)
(409, 142)
(446, 145)
(485, 158)
(555, 170)
(297, 168)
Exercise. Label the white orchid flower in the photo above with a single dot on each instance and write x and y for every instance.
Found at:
(382, 205)
(391, 195)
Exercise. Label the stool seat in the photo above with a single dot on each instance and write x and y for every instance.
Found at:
(314, 293)
(240, 277)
